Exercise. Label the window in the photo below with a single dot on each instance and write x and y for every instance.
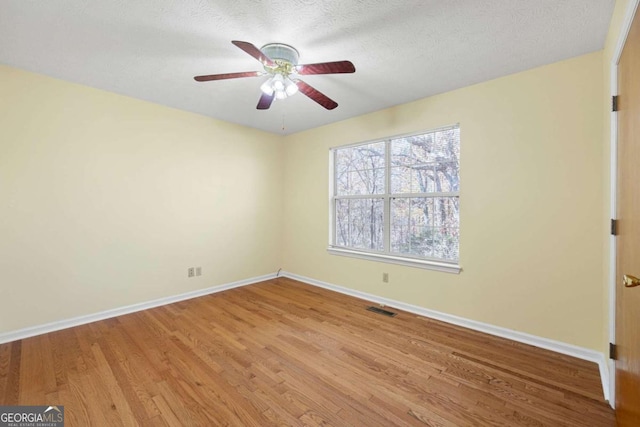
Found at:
(397, 200)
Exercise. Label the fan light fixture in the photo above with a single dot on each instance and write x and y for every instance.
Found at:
(279, 86)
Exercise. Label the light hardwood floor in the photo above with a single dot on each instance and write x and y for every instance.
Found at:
(285, 353)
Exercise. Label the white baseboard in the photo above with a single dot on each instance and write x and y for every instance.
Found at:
(82, 320)
(557, 346)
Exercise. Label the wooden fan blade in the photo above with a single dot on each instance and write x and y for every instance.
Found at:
(327, 68)
(265, 102)
(316, 95)
(227, 76)
(255, 52)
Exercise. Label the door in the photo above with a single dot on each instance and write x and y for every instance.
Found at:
(628, 240)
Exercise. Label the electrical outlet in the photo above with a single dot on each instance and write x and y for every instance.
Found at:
(198, 271)
(385, 277)
(191, 272)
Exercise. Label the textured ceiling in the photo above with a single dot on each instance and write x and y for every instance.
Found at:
(403, 50)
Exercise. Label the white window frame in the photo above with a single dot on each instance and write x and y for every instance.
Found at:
(385, 256)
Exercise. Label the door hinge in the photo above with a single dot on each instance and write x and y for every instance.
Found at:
(614, 227)
(614, 103)
(613, 351)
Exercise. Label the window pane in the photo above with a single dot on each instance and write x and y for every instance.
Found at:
(360, 169)
(361, 182)
(426, 163)
(342, 222)
(400, 235)
(447, 177)
(360, 223)
(412, 179)
(446, 212)
(425, 227)
(446, 246)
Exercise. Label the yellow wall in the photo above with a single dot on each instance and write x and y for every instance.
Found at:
(105, 201)
(531, 203)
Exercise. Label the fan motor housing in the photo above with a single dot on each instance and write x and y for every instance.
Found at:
(281, 53)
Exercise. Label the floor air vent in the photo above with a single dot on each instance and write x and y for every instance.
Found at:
(382, 311)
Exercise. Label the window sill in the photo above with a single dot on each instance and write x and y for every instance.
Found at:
(409, 262)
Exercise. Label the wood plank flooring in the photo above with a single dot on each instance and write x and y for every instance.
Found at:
(285, 353)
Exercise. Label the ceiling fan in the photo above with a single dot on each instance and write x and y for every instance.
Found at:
(280, 62)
